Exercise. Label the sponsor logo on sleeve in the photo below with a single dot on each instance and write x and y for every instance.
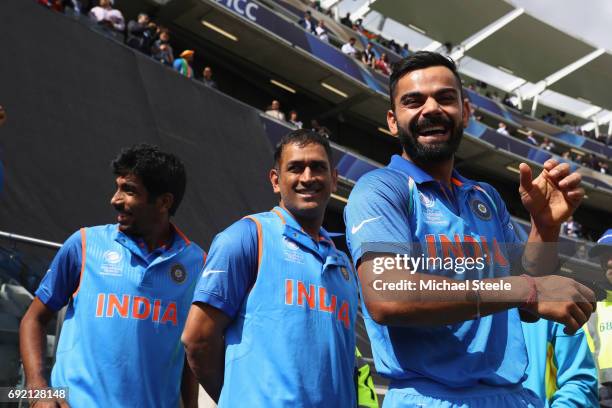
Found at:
(357, 227)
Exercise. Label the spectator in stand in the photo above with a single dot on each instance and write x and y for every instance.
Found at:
(183, 64)
(382, 64)
(603, 167)
(321, 31)
(322, 130)
(274, 110)
(530, 139)
(56, 5)
(508, 101)
(359, 24)
(395, 46)
(405, 51)
(589, 160)
(349, 47)
(307, 23)
(141, 33)
(162, 50)
(503, 129)
(105, 15)
(567, 156)
(207, 78)
(571, 228)
(2, 115)
(547, 145)
(548, 118)
(368, 57)
(293, 118)
(346, 20)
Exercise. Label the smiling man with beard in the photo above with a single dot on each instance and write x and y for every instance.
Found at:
(460, 348)
(273, 319)
(128, 287)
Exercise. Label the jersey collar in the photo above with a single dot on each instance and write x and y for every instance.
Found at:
(419, 175)
(177, 242)
(289, 221)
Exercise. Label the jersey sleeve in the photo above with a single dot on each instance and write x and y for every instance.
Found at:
(230, 268)
(62, 277)
(576, 372)
(377, 216)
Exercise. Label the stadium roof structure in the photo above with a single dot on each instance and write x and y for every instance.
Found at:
(530, 49)
(438, 18)
(591, 82)
(534, 55)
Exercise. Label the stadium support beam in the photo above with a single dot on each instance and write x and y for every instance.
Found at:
(534, 105)
(329, 3)
(486, 32)
(562, 73)
(361, 10)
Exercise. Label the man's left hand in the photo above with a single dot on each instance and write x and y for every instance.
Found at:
(551, 197)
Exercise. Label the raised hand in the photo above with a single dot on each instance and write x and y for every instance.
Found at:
(551, 197)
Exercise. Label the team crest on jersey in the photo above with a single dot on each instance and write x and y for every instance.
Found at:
(178, 273)
(111, 263)
(481, 210)
(427, 201)
(345, 272)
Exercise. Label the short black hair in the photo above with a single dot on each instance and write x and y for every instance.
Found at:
(159, 171)
(420, 60)
(302, 137)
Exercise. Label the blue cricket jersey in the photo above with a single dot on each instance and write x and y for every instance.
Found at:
(399, 208)
(561, 368)
(293, 302)
(120, 342)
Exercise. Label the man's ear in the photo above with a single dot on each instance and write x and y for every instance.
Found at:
(467, 111)
(274, 176)
(334, 179)
(392, 122)
(165, 201)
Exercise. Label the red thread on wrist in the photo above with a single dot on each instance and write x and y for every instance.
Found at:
(532, 299)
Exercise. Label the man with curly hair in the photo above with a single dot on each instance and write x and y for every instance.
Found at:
(128, 287)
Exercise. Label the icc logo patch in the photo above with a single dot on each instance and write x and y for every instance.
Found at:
(178, 273)
(481, 210)
(112, 257)
(290, 244)
(427, 201)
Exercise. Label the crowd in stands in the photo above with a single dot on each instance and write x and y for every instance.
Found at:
(369, 57)
(274, 110)
(151, 39)
(586, 160)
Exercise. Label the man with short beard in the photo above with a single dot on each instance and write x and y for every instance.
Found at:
(453, 342)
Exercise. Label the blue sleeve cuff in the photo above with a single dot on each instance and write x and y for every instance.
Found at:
(214, 301)
(45, 297)
(381, 247)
